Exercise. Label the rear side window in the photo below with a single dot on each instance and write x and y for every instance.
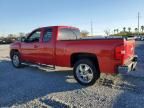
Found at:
(68, 34)
(47, 35)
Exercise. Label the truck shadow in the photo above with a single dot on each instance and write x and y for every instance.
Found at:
(18, 86)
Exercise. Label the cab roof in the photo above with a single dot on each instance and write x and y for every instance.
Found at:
(59, 26)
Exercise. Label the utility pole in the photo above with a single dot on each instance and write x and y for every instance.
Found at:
(91, 28)
(138, 22)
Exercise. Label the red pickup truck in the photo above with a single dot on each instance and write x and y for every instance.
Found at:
(63, 46)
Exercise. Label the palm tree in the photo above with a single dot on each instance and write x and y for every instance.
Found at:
(129, 29)
(136, 29)
(117, 30)
(142, 28)
(114, 31)
(124, 29)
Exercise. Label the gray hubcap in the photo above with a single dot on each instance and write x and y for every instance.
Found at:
(84, 73)
(16, 60)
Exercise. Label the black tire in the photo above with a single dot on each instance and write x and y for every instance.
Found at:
(16, 54)
(96, 73)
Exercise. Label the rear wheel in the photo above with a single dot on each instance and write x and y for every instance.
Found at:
(85, 72)
(16, 59)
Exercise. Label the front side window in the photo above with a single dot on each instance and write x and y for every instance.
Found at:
(34, 37)
(47, 35)
(68, 34)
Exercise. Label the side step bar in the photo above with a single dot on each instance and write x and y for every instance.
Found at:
(51, 67)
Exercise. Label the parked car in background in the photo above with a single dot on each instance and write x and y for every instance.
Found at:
(139, 38)
(142, 38)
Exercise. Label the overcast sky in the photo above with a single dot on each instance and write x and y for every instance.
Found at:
(24, 15)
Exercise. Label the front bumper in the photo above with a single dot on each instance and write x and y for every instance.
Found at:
(129, 67)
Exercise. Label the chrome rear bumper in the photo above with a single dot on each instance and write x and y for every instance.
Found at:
(129, 67)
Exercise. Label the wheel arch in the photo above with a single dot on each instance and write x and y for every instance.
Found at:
(77, 56)
(12, 52)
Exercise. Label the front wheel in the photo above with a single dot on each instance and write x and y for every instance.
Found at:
(85, 72)
(16, 60)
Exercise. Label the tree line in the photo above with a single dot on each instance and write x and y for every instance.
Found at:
(128, 31)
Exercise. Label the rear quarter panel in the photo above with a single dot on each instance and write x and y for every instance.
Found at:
(103, 49)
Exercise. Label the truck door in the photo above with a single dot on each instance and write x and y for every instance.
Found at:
(30, 47)
(47, 47)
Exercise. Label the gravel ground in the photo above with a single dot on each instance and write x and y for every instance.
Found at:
(34, 86)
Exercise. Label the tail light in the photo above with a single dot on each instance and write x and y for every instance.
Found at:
(120, 52)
